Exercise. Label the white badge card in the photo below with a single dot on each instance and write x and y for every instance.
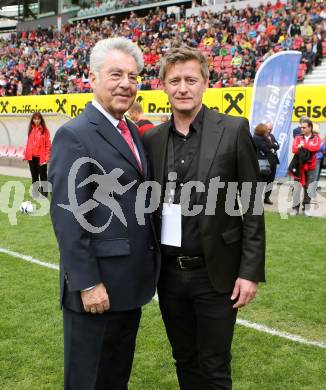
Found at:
(171, 224)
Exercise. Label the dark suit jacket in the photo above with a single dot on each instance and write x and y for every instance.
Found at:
(266, 148)
(122, 257)
(234, 246)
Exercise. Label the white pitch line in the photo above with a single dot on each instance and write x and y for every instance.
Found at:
(30, 259)
(247, 324)
(275, 332)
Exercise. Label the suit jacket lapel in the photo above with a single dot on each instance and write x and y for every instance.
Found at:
(159, 149)
(211, 136)
(110, 134)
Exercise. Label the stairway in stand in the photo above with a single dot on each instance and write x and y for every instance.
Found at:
(317, 76)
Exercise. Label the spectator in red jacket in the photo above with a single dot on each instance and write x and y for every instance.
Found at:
(136, 115)
(37, 153)
(305, 147)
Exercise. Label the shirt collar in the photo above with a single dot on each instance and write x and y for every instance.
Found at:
(108, 116)
(197, 123)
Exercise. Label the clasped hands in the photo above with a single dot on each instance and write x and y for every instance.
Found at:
(96, 300)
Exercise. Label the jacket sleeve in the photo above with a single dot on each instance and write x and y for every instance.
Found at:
(275, 144)
(78, 260)
(313, 145)
(263, 147)
(295, 144)
(47, 146)
(252, 266)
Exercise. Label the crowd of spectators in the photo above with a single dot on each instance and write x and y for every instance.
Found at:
(236, 42)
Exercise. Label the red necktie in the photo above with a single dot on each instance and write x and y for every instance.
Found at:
(125, 132)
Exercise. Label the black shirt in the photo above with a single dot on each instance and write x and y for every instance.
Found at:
(184, 161)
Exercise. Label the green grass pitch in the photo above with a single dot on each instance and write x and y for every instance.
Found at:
(293, 300)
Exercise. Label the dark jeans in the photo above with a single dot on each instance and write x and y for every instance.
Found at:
(99, 349)
(269, 180)
(38, 173)
(199, 323)
(308, 190)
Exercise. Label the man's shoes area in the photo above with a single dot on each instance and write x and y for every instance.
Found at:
(268, 201)
(307, 213)
(294, 212)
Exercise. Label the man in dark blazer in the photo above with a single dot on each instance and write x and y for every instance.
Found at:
(215, 267)
(108, 265)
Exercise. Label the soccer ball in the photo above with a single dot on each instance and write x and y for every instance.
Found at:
(26, 207)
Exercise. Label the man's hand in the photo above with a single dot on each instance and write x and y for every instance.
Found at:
(245, 291)
(96, 300)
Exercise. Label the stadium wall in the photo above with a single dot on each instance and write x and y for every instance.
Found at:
(15, 111)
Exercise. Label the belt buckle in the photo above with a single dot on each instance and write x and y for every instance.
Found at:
(179, 259)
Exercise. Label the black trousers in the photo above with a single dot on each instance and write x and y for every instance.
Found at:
(199, 323)
(99, 349)
(38, 173)
(269, 180)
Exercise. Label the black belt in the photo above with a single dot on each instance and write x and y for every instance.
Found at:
(187, 262)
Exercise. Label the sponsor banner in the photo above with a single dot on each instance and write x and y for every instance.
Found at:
(309, 100)
(232, 101)
(273, 98)
(70, 105)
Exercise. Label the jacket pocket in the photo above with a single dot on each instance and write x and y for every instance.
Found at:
(232, 235)
(111, 247)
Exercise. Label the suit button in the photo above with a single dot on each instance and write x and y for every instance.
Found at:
(151, 247)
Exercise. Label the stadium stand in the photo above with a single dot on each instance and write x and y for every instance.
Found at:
(235, 41)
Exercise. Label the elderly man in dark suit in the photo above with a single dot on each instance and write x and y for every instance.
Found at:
(108, 265)
(212, 254)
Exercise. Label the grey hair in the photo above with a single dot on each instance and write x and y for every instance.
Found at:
(103, 47)
(302, 119)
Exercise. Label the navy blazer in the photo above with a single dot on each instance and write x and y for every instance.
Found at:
(123, 256)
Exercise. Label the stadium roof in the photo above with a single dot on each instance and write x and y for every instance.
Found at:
(11, 9)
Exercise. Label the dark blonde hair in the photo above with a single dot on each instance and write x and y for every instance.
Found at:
(183, 54)
(261, 129)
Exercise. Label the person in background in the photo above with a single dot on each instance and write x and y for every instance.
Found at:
(320, 155)
(273, 160)
(136, 115)
(265, 151)
(37, 153)
(297, 130)
(305, 147)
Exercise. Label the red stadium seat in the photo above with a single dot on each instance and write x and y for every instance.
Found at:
(11, 151)
(20, 152)
(301, 74)
(324, 48)
(227, 58)
(3, 150)
(217, 68)
(218, 84)
(227, 63)
(218, 59)
(303, 67)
